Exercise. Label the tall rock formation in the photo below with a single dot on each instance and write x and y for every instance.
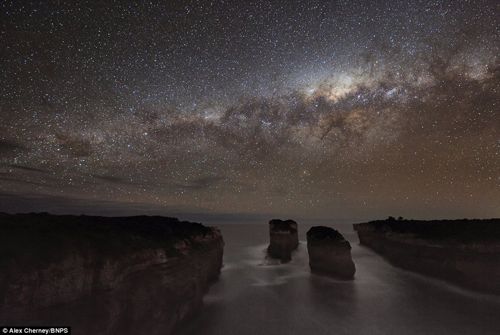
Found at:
(124, 275)
(463, 252)
(284, 239)
(329, 253)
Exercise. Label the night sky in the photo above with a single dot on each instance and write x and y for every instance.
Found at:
(241, 110)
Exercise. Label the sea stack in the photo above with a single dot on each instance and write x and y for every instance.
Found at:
(283, 239)
(329, 253)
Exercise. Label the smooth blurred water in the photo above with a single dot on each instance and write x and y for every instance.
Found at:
(257, 296)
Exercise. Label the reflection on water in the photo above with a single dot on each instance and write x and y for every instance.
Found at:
(259, 296)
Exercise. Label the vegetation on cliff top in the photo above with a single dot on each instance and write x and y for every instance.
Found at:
(42, 237)
(463, 230)
(283, 225)
(323, 233)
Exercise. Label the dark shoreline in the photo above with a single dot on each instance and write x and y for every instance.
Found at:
(463, 252)
(105, 275)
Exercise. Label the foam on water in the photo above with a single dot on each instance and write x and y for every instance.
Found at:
(258, 295)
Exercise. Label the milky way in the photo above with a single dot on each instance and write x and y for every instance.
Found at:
(240, 110)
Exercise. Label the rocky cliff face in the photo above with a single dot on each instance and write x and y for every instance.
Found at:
(284, 239)
(464, 252)
(134, 275)
(329, 253)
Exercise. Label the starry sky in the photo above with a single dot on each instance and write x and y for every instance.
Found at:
(243, 110)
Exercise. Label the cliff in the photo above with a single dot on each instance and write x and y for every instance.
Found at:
(463, 252)
(283, 238)
(99, 275)
(329, 253)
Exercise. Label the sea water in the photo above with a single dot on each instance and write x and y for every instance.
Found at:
(256, 295)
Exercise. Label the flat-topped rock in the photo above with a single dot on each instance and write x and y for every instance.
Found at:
(283, 238)
(329, 253)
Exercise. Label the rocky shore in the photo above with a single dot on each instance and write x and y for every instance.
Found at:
(463, 252)
(101, 275)
(284, 239)
(329, 253)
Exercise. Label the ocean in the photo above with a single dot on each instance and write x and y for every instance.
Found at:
(255, 295)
